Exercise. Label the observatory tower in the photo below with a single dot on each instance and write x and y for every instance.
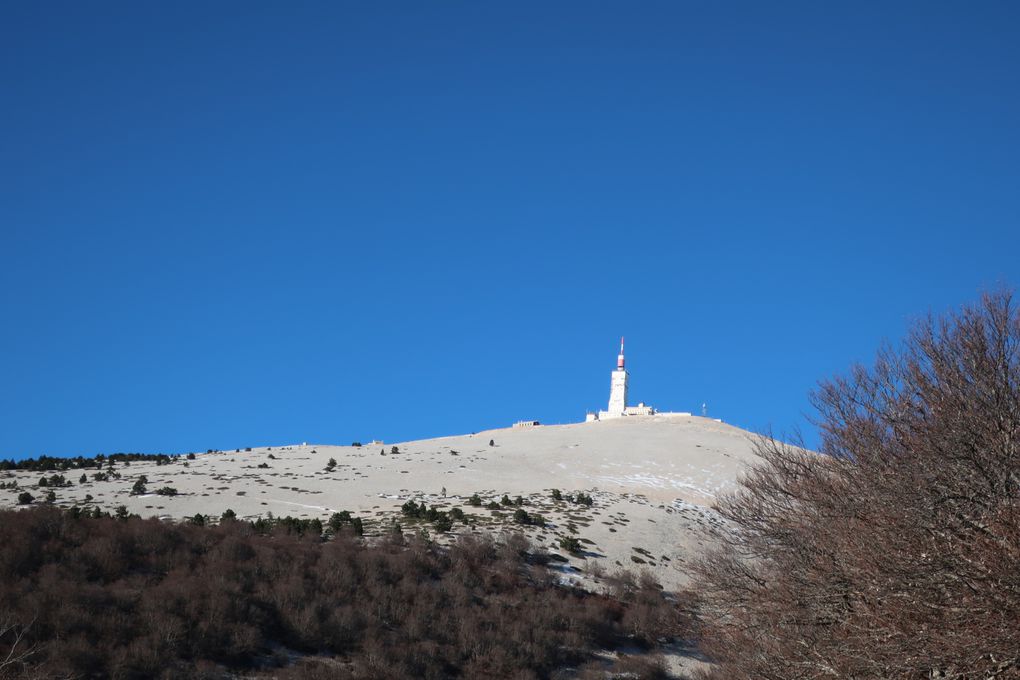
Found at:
(618, 388)
(618, 395)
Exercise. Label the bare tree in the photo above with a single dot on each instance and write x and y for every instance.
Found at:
(15, 652)
(895, 553)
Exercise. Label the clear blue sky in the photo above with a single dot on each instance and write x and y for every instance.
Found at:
(232, 224)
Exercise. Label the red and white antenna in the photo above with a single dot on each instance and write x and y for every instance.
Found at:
(619, 359)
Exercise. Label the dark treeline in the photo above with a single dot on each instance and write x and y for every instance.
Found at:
(896, 554)
(91, 597)
(269, 524)
(52, 463)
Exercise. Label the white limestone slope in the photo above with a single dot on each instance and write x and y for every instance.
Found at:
(653, 480)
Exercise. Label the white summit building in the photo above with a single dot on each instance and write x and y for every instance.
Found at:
(618, 396)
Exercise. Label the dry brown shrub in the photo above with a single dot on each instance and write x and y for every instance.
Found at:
(894, 553)
(139, 598)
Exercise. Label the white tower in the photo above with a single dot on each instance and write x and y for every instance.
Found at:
(618, 387)
(618, 397)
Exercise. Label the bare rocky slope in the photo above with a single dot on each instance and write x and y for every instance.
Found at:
(652, 481)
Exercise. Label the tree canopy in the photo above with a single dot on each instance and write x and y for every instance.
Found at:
(892, 552)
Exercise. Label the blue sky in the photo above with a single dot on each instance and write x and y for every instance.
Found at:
(234, 224)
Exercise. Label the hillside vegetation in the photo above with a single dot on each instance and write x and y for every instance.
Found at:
(894, 553)
(98, 597)
(897, 553)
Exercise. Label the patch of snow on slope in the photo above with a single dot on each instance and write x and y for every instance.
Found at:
(654, 482)
(300, 505)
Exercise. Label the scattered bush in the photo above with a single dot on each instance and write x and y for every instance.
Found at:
(191, 456)
(522, 516)
(25, 498)
(571, 544)
(167, 491)
(339, 520)
(441, 521)
(556, 495)
(475, 500)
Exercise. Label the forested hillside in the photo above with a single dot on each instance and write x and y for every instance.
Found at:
(90, 597)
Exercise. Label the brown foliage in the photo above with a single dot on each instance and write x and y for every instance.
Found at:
(894, 554)
(137, 598)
